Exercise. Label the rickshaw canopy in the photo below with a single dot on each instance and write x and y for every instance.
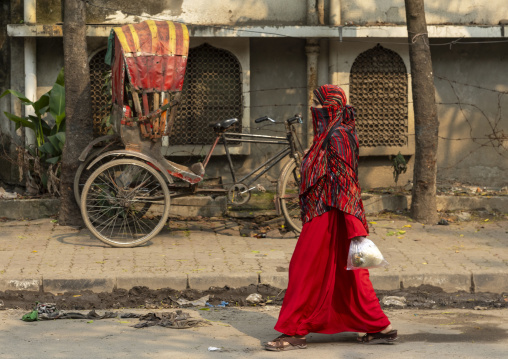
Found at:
(152, 53)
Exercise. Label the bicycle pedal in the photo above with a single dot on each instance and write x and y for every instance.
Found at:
(260, 188)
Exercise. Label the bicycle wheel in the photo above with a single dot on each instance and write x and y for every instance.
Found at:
(125, 202)
(288, 187)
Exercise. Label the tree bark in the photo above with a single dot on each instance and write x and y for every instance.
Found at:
(423, 204)
(78, 105)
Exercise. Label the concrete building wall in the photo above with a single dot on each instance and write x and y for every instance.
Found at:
(436, 11)
(470, 95)
(471, 91)
(199, 12)
(277, 12)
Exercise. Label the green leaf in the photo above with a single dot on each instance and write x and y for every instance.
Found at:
(44, 180)
(57, 103)
(32, 152)
(21, 120)
(41, 105)
(46, 130)
(48, 148)
(61, 77)
(54, 141)
(54, 160)
(59, 119)
(18, 95)
(61, 136)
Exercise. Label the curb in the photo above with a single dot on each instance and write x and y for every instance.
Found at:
(474, 283)
(377, 203)
(205, 206)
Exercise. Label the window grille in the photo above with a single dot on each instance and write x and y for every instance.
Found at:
(99, 99)
(212, 91)
(378, 91)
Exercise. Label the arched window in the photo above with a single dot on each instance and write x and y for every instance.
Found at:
(378, 91)
(212, 91)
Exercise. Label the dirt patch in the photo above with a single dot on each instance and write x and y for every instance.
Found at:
(423, 297)
(430, 297)
(137, 297)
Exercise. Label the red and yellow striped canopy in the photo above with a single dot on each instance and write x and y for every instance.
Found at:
(155, 54)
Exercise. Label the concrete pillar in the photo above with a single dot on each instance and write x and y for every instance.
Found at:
(30, 82)
(30, 65)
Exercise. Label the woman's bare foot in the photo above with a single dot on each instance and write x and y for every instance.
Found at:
(387, 329)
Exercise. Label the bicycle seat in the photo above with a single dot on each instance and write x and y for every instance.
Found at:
(224, 124)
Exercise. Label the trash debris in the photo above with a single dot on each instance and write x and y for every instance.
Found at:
(480, 308)
(201, 302)
(254, 298)
(395, 301)
(260, 235)
(174, 320)
(213, 349)
(7, 195)
(464, 216)
(48, 311)
(222, 304)
(443, 222)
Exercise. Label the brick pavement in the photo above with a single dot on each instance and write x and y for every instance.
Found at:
(198, 254)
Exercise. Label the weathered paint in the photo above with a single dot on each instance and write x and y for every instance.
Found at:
(436, 11)
(277, 12)
(49, 11)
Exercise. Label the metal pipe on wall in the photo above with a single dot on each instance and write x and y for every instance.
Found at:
(321, 11)
(30, 55)
(312, 15)
(312, 52)
(335, 17)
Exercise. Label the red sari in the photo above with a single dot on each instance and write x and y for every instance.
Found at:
(322, 296)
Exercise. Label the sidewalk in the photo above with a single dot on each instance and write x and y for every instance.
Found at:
(41, 255)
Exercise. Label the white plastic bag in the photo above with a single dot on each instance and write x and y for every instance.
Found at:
(364, 254)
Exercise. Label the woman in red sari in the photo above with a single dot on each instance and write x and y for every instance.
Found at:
(322, 296)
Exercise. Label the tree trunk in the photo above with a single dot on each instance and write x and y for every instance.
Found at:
(423, 205)
(78, 105)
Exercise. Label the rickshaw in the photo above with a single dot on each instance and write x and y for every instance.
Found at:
(124, 187)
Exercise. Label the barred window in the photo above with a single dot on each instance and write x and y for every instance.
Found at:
(378, 91)
(212, 91)
(99, 99)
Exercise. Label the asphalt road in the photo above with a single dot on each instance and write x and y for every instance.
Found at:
(240, 333)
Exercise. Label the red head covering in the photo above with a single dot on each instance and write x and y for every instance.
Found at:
(329, 171)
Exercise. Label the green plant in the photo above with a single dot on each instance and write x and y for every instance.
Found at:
(48, 125)
(399, 165)
(49, 136)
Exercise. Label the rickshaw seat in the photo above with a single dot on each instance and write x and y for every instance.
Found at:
(224, 124)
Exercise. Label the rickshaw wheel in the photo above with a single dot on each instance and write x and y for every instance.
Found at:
(82, 174)
(125, 202)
